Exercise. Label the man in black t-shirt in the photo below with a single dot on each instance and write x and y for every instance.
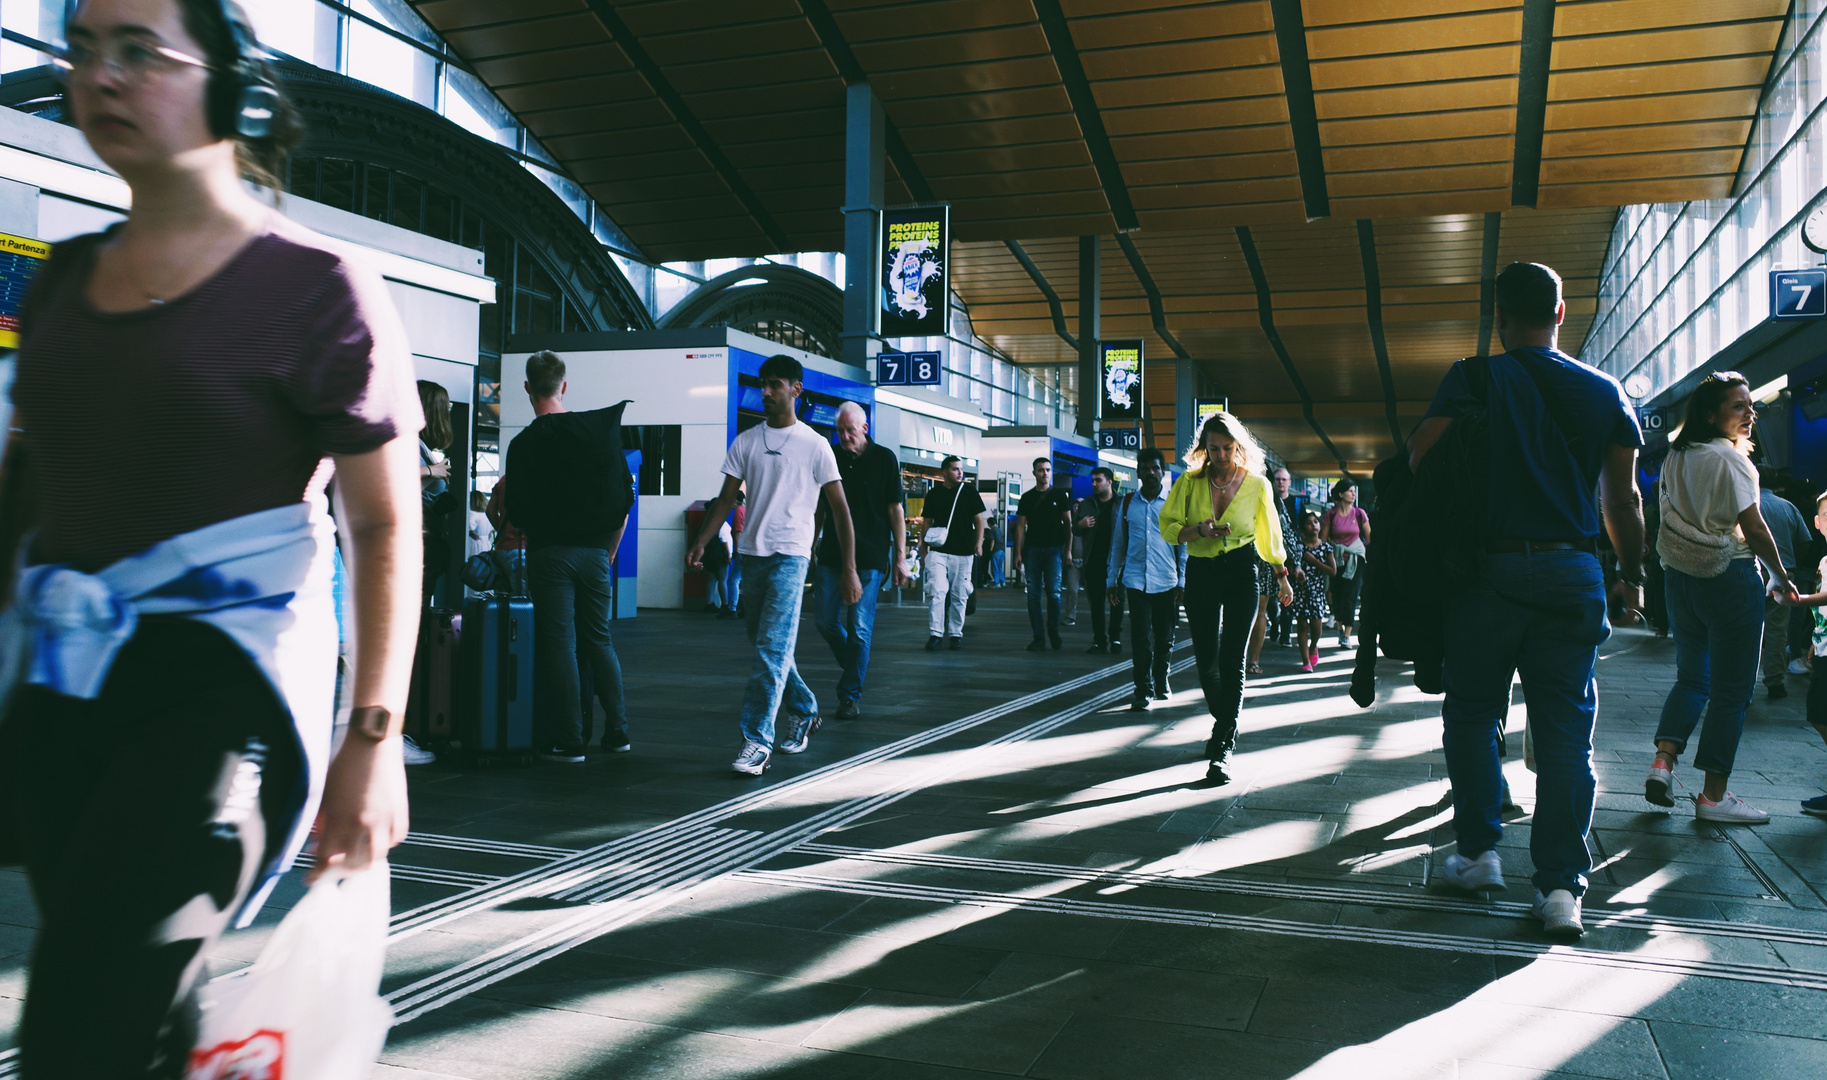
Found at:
(1043, 523)
(878, 516)
(954, 516)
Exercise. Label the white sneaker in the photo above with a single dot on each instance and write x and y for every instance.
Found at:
(1798, 666)
(753, 759)
(1729, 810)
(414, 753)
(799, 734)
(1483, 874)
(1659, 785)
(1559, 912)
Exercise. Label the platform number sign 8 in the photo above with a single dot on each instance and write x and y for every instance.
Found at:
(1798, 294)
(923, 369)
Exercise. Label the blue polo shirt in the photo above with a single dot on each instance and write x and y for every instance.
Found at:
(1538, 491)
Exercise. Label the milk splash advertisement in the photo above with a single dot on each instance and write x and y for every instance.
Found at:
(1122, 371)
(916, 253)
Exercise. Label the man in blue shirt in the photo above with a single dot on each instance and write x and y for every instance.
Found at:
(1539, 605)
(1150, 574)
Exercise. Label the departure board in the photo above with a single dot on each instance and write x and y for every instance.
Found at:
(20, 258)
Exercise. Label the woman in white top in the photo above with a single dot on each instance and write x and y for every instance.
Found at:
(1711, 529)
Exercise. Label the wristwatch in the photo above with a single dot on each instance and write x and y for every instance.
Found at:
(1636, 584)
(371, 722)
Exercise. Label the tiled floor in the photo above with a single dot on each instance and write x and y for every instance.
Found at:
(1001, 871)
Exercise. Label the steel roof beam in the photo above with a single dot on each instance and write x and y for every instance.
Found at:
(1373, 309)
(1157, 311)
(1532, 100)
(838, 48)
(1265, 315)
(1046, 290)
(675, 103)
(1303, 116)
(1090, 117)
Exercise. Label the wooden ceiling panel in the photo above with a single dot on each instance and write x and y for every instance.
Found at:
(873, 21)
(1196, 115)
(1414, 155)
(1490, 61)
(1017, 160)
(1176, 56)
(1201, 170)
(1670, 109)
(446, 15)
(984, 46)
(979, 78)
(525, 35)
(743, 40)
(1695, 43)
(660, 17)
(1189, 86)
(1588, 170)
(1557, 195)
(1426, 98)
(569, 93)
(1643, 140)
(1468, 124)
(1274, 189)
(566, 61)
(1399, 37)
(1202, 143)
(1737, 71)
(1625, 16)
(1336, 12)
(1414, 181)
(1458, 202)
(1128, 29)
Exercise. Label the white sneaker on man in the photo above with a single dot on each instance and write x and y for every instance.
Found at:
(1798, 666)
(414, 753)
(753, 759)
(799, 734)
(1559, 912)
(1729, 810)
(1483, 874)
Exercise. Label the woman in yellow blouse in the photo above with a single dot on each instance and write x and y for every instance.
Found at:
(1220, 509)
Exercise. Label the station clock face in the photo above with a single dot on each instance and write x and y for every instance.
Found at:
(1814, 230)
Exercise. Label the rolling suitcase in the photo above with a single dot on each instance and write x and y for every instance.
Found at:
(430, 704)
(497, 696)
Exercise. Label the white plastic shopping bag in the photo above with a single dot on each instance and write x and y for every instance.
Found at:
(309, 1008)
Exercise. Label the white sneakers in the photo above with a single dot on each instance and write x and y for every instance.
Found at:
(1559, 912)
(1659, 786)
(1798, 666)
(1729, 810)
(799, 734)
(753, 759)
(414, 753)
(1483, 874)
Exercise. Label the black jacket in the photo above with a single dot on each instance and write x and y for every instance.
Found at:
(568, 484)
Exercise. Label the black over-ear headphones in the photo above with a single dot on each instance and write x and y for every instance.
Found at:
(242, 99)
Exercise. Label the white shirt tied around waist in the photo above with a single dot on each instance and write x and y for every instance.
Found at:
(263, 579)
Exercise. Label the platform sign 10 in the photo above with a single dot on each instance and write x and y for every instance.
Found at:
(1124, 438)
(1798, 294)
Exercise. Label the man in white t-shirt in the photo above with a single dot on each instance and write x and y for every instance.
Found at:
(785, 465)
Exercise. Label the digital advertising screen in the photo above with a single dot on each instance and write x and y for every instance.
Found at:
(1122, 379)
(1203, 408)
(916, 259)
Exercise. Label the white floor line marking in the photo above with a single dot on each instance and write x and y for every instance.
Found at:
(1713, 969)
(488, 847)
(618, 903)
(1596, 918)
(572, 870)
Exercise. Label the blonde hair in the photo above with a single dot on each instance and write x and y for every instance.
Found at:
(1248, 453)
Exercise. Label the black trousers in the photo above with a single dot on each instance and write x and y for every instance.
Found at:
(144, 817)
(1152, 617)
(1221, 600)
(1106, 626)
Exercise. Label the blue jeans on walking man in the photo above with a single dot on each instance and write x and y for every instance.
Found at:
(847, 628)
(570, 588)
(1042, 565)
(774, 592)
(1718, 626)
(1539, 614)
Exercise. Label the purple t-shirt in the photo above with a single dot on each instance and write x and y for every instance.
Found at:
(223, 402)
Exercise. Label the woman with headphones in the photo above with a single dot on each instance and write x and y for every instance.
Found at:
(188, 381)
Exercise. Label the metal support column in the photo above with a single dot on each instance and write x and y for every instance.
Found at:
(863, 176)
(1186, 389)
(1089, 275)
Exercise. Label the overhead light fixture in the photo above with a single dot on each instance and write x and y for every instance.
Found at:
(1769, 391)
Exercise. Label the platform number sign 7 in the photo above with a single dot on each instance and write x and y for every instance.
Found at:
(1798, 294)
(891, 369)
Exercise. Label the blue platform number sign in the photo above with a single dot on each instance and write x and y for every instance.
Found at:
(923, 369)
(1798, 294)
(1127, 438)
(891, 369)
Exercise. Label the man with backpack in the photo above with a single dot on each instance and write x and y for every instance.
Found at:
(1150, 574)
(1558, 432)
(569, 489)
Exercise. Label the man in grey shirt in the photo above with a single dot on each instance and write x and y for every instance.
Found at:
(1790, 531)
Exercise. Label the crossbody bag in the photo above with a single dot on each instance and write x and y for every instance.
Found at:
(937, 534)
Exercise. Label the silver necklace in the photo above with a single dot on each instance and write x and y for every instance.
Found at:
(764, 439)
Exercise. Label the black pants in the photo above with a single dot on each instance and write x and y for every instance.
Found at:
(1817, 694)
(1220, 610)
(1106, 626)
(1345, 597)
(144, 817)
(1152, 617)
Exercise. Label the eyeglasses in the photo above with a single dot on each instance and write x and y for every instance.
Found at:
(128, 60)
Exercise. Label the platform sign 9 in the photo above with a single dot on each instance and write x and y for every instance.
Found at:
(923, 369)
(891, 369)
(1798, 294)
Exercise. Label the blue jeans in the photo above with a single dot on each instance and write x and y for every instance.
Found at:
(1042, 565)
(732, 583)
(570, 587)
(847, 628)
(1541, 615)
(1718, 624)
(777, 585)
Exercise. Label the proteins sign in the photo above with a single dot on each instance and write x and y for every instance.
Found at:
(916, 255)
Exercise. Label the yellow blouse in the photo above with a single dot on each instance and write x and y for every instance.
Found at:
(1251, 516)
